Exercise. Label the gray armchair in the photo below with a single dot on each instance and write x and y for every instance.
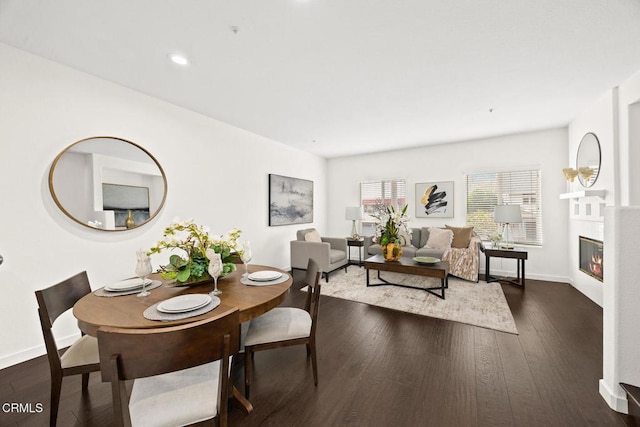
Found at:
(330, 253)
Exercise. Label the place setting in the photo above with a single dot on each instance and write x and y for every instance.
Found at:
(264, 278)
(128, 287)
(182, 307)
(137, 285)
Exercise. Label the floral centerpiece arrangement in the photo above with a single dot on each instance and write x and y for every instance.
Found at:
(193, 241)
(391, 222)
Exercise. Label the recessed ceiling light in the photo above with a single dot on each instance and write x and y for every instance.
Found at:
(176, 58)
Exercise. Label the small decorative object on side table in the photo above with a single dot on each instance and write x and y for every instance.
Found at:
(519, 256)
(358, 243)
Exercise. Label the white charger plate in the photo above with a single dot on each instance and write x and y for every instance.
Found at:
(184, 303)
(265, 275)
(126, 285)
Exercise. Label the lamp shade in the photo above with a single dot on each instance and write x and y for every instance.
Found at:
(353, 213)
(507, 214)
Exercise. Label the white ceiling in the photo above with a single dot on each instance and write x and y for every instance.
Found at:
(342, 77)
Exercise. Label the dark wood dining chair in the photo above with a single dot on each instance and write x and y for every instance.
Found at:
(180, 373)
(286, 326)
(82, 356)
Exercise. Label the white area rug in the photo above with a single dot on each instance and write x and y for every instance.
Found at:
(479, 304)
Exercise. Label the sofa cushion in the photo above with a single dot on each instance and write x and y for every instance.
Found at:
(435, 253)
(439, 238)
(461, 236)
(409, 251)
(415, 237)
(313, 236)
(424, 237)
(336, 255)
(405, 238)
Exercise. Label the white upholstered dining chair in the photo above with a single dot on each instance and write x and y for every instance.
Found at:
(286, 326)
(180, 373)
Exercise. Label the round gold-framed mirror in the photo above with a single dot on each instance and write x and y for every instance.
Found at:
(588, 160)
(108, 183)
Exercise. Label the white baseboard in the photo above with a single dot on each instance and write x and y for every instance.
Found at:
(534, 276)
(618, 403)
(33, 352)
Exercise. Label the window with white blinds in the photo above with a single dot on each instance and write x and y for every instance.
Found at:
(486, 190)
(376, 193)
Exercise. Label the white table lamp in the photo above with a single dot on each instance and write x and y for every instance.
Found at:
(354, 213)
(507, 215)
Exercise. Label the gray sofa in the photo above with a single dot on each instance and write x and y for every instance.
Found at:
(330, 254)
(464, 262)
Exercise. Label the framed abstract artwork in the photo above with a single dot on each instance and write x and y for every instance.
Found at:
(290, 200)
(434, 199)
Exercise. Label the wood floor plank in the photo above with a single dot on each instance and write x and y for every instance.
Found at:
(524, 399)
(492, 392)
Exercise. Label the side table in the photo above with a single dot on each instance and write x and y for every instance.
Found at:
(519, 256)
(358, 243)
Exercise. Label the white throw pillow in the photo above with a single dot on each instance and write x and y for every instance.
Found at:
(313, 236)
(439, 238)
(405, 238)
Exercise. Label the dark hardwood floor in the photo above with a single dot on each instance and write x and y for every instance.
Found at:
(379, 367)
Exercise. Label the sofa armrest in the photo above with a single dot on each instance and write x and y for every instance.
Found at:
(301, 251)
(338, 243)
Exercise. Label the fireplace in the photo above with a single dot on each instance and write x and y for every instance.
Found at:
(591, 257)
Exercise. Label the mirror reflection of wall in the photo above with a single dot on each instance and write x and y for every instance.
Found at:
(588, 160)
(98, 181)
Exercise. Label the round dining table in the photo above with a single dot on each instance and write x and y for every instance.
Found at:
(126, 311)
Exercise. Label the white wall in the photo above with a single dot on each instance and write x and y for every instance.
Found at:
(216, 174)
(546, 150)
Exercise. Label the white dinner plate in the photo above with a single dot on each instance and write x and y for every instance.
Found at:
(426, 260)
(183, 303)
(126, 285)
(265, 275)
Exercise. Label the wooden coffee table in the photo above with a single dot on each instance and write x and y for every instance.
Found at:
(439, 270)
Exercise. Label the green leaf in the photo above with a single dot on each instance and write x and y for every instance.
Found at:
(177, 261)
(183, 275)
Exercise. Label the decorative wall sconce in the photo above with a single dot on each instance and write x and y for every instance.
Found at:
(569, 174)
(585, 173)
